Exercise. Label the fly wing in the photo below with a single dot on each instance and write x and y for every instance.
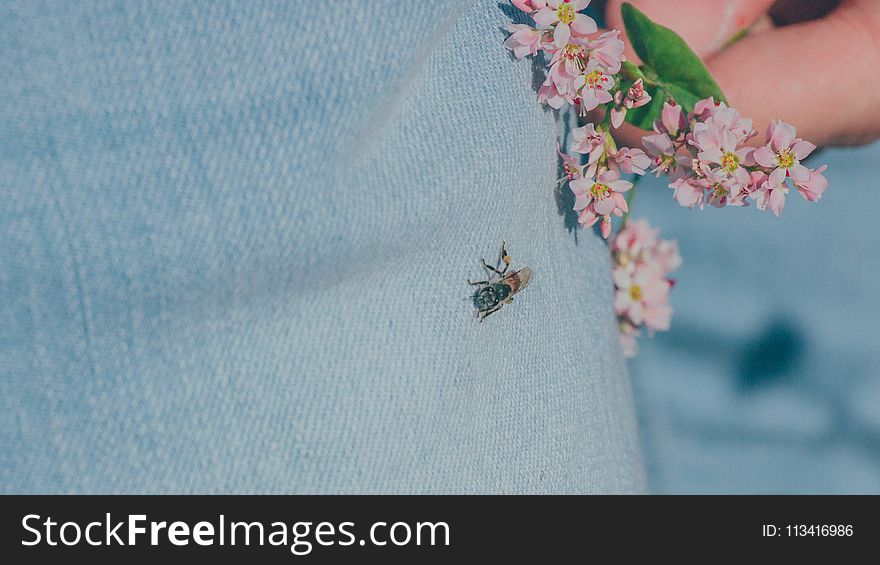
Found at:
(518, 280)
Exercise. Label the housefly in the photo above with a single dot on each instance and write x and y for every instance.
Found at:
(499, 288)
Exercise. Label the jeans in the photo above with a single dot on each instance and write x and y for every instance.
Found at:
(234, 238)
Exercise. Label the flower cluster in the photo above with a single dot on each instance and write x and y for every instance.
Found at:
(580, 67)
(642, 263)
(597, 184)
(581, 71)
(706, 157)
(707, 153)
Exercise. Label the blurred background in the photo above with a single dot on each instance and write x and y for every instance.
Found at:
(769, 380)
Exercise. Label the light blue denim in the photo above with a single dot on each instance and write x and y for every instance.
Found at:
(234, 238)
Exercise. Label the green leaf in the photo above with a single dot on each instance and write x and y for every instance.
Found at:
(666, 55)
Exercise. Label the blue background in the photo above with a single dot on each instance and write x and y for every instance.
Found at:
(769, 380)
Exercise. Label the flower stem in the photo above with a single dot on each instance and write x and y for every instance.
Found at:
(605, 124)
(741, 34)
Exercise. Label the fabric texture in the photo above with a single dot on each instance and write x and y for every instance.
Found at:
(234, 239)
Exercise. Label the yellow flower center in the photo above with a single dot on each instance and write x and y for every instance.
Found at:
(593, 78)
(599, 190)
(635, 292)
(785, 159)
(720, 191)
(665, 161)
(729, 162)
(565, 13)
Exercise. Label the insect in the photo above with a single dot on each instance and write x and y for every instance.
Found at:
(500, 287)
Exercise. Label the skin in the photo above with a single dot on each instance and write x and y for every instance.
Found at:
(815, 67)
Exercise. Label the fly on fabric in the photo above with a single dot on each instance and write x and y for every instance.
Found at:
(499, 288)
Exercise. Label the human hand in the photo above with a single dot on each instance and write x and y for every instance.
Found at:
(817, 71)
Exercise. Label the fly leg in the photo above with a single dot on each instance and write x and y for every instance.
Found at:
(503, 258)
(486, 313)
(476, 283)
(491, 268)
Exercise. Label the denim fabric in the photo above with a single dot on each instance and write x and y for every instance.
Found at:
(233, 245)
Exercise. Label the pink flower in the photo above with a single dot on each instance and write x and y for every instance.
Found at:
(756, 181)
(740, 192)
(604, 195)
(635, 97)
(564, 67)
(719, 192)
(724, 117)
(638, 243)
(529, 6)
(719, 116)
(600, 199)
(524, 40)
(588, 218)
(607, 50)
(550, 95)
(618, 113)
(642, 296)
(634, 239)
(699, 169)
(721, 145)
(664, 154)
(771, 196)
(666, 256)
(688, 192)
(630, 160)
(587, 141)
(642, 263)
(812, 189)
(593, 87)
(570, 165)
(564, 14)
(672, 121)
(658, 316)
(704, 109)
(783, 154)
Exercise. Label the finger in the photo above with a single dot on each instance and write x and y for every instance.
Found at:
(705, 26)
(818, 75)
